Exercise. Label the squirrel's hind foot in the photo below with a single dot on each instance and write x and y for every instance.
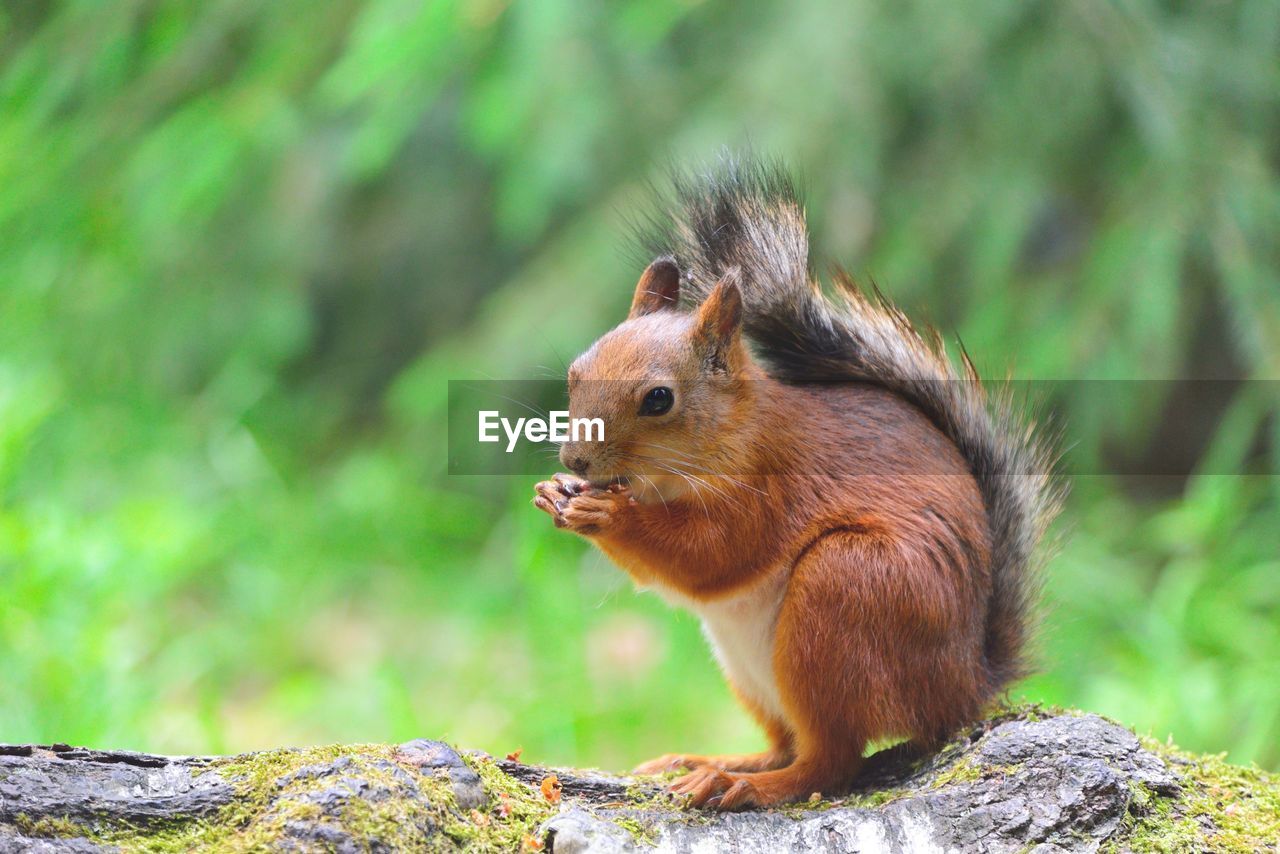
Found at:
(729, 791)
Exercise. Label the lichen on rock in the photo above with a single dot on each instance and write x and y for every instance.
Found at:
(1025, 778)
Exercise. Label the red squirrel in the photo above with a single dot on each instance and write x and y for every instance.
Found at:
(854, 520)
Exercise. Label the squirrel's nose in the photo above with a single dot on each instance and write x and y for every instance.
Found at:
(577, 465)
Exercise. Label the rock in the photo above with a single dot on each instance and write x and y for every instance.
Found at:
(12, 842)
(576, 831)
(1024, 780)
(85, 784)
(424, 753)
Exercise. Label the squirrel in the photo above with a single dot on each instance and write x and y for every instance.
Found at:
(854, 519)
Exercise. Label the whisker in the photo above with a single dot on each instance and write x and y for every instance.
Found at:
(703, 469)
(657, 491)
(689, 479)
(553, 350)
(541, 413)
(673, 467)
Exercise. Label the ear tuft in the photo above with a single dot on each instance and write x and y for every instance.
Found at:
(658, 288)
(719, 321)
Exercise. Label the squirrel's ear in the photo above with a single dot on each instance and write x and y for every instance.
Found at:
(659, 287)
(719, 323)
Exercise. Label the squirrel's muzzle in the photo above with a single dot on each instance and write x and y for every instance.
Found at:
(573, 459)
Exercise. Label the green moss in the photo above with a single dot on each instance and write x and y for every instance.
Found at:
(644, 794)
(878, 798)
(516, 810)
(1153, 825)
(47, 827)
(263, 806)
(803, 809)
(1222, 808)
(964, 771)
(640, 832)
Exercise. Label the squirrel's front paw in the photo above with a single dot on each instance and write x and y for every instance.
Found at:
(553, 496)
(575, 504)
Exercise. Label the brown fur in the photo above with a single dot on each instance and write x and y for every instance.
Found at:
(849, 491)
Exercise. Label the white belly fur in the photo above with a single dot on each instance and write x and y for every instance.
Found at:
(741, 628)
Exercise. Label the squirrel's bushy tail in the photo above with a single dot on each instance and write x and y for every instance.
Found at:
(745, 214)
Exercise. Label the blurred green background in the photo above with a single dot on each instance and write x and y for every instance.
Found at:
(245, 245)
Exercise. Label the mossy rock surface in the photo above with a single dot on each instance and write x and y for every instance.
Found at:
(1025, 779)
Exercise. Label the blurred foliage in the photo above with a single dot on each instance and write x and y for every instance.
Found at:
(244, 246)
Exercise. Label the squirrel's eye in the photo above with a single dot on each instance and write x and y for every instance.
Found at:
(657, 401)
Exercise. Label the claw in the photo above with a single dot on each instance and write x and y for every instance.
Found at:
(569, 484)
(741, 795)
(574, 504)
(703, 784)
